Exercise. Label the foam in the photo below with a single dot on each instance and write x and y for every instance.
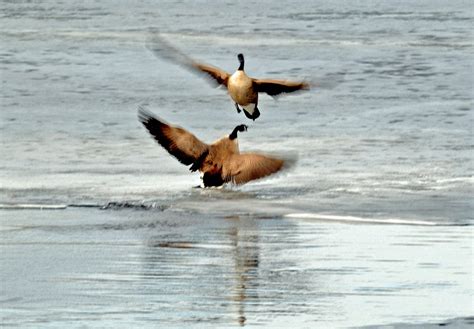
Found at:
(353, 219)
(33, 206)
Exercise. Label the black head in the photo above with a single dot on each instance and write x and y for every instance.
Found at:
(241, 61)
(233, 134)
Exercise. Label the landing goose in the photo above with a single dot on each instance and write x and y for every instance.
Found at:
(220, 162)
(241, 88)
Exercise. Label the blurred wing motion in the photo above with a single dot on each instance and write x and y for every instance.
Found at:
(162, 49)
(242, 168)
(275, 87)
(183, 145)
(329, 81)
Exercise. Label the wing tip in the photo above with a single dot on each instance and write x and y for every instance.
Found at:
(145, 116)
(289, 160)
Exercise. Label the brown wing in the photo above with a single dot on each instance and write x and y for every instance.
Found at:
(162, 49)
(219, 75)
(275, 87)
(183, 145)
(242, 168)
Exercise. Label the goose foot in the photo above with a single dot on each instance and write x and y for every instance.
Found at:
(254, 115)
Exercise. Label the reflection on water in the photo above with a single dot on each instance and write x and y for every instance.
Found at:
(136, 268)
(246, 256)
(223, 267)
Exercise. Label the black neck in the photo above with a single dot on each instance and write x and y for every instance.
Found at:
(233, 134)
(242, 62)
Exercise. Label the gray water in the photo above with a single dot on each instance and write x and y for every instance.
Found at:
(387, 141)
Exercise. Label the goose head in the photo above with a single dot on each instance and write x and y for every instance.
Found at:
(239, 128)
(241, 59)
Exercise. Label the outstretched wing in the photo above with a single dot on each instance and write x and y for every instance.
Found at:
(242, 168)
(219, 75)
(180, 143)
(162, 49)
(274, 87)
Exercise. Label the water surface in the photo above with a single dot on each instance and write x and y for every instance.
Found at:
(390, 142)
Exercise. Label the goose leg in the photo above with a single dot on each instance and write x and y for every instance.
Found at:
(256, 114)
(238, 108)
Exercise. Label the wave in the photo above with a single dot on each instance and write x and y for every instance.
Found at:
(251, 38)
(31, 206)
(282, 213)
(353, 219)
(109, 205)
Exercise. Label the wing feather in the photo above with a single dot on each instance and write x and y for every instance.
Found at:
(242, 168)
(162, 49)
(274, 87)
(219, 75)
(180, 143)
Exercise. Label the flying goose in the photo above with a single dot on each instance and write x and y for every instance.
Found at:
(220, 162)
(241, 88)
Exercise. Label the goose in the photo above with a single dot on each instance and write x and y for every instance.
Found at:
(220, 162)
(242, 89)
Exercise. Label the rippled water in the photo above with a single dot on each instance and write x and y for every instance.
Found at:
(388, 141)
(141, 268)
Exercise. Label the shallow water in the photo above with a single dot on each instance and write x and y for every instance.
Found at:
(140, 268)
(384, 137)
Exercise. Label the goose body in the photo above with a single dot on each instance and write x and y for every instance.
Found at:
(220, 162)
(242, 89)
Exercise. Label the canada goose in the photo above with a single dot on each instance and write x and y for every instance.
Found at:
(241, 88)
(219, 162)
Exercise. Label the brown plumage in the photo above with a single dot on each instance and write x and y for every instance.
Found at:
(220, 162)
(241, 88)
